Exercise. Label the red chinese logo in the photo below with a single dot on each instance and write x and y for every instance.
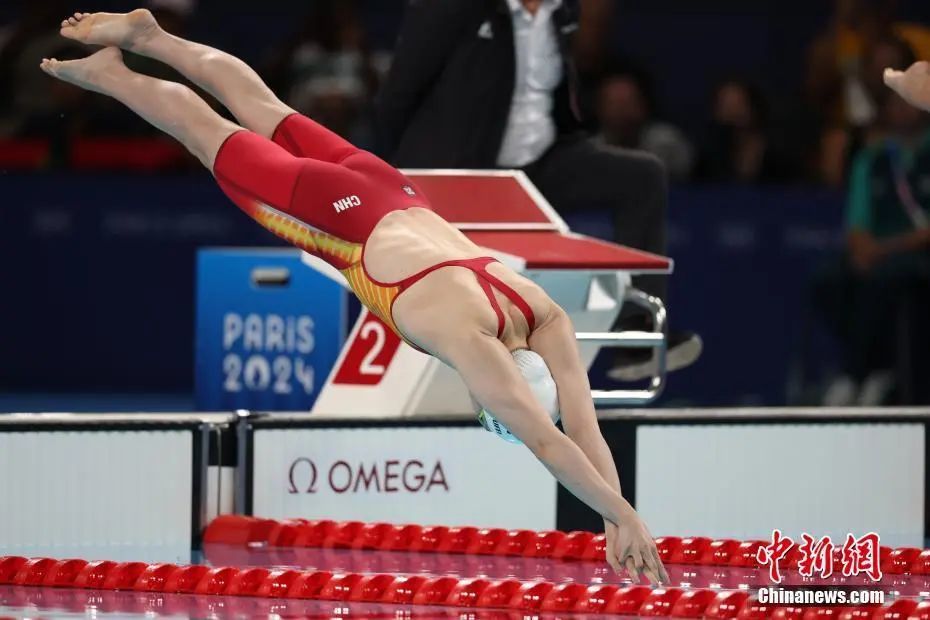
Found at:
(773, 553)
(857, 556)
(816, 556)
(862, 555)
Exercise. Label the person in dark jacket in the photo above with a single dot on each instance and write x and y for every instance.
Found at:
(492, 83)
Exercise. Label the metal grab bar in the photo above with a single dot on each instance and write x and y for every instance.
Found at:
(655, 339)
(632, 340)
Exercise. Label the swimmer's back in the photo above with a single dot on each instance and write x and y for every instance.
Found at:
(406, 242)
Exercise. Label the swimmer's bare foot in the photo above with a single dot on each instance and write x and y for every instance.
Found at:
(125, 30)
(89, 73)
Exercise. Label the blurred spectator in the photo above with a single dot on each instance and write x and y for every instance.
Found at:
(739, 146)
(595, 22)
(835, 80)
(626, 118)
(840, 143)
(326, 71)
(884, 278)
(33, 36)
(62, 114)
(493, 85)
(56, 114)
(36, 23)
(842, 75)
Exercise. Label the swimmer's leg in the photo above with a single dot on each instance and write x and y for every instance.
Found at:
(171, 107)
(236, 85)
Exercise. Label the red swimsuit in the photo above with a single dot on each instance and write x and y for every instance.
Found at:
(325, 196)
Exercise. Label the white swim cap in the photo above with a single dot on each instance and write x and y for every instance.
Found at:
(542, 385)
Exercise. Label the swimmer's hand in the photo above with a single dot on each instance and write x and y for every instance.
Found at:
(913, 85)
(630, 546)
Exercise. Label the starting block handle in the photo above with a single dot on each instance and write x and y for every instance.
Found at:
(621, 398)
(655, 339)
(632, 340)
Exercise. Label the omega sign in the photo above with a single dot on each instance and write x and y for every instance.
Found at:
(395, 473)
(309, 476)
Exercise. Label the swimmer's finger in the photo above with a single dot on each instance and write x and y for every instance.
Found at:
(652, 557)
(662, 572)
(632, 569)
(651, 576)
(616, 567)
(654, 567)
(626, 551)
(614, 562)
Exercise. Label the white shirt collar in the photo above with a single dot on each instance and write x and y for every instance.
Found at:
(516, 6)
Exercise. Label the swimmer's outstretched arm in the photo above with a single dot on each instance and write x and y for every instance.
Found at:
(488, 369)
(554, 339)
(913, 84)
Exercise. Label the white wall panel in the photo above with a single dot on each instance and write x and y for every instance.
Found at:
(743, 481)
(96, 494)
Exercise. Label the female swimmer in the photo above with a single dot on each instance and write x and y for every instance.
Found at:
(416, 272)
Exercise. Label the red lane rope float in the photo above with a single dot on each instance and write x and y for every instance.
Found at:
(475, 593)
(585, 546)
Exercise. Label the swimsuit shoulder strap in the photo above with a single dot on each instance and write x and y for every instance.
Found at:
(507, 292)
(489, 293)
